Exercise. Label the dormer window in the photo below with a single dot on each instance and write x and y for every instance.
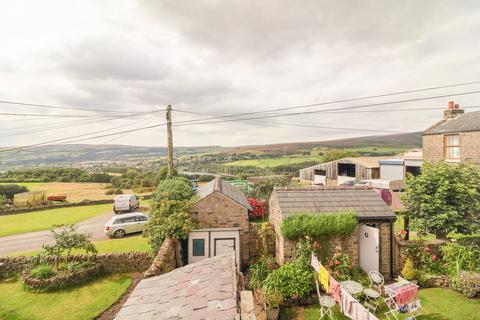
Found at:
(452, 147)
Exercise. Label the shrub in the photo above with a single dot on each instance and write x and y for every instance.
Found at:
(73, 266)
(273, 299)
(408, 271)
(340, 265)
(470, 240)
(3, 200)
(468, 283)
(9, 190)
(319, 225)
(266, 235)
(458, 257)
(173, 189)
(259, 271)
(109, 192)
(43, 271)
(118, 191)
(293, 279)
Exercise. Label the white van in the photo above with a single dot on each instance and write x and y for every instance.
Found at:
(125, 203)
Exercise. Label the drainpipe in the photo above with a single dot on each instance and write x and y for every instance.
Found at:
(391, 249)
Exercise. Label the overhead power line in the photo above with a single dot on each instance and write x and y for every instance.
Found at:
(56, 107)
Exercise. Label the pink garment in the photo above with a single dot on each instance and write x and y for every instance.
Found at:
(406, 294)
(335, 289)
(353, 309)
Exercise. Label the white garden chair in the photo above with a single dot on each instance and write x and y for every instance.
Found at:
(326, 304)
(374, 292)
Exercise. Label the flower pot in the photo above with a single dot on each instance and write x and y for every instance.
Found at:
(272, 314)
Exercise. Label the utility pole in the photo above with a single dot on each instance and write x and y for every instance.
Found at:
(170, 141)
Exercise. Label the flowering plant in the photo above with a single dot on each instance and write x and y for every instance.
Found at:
(339, 265)
(402, 234)
(258, 208)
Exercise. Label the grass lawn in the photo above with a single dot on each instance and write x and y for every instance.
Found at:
(273, 162)
(43, 220)
(127, 244)
(437, 304)
(77, 303)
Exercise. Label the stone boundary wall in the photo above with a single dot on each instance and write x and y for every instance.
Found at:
(11, 211)
(167, 259)
(252, 241)
(111, 262)
(401, 246)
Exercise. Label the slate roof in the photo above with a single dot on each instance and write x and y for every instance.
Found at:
(201, 290)
(365, 203)
(464, 122)
(227, 189)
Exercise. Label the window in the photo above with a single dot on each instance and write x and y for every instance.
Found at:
(198, 247)
(140, 218)
(452, 146)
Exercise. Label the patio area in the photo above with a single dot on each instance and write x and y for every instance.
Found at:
(437, 304)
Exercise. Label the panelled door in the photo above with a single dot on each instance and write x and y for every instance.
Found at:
(224, 245)
(369, 249)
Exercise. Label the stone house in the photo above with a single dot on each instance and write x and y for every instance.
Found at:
(221, 213)
(370, 246)
(455, 139)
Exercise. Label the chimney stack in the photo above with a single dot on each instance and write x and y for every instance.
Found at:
(452, 111)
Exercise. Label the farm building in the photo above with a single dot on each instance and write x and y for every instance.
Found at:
(397, 167)
(371, 244)
(343, 170)
(31, 198)
(221, 212)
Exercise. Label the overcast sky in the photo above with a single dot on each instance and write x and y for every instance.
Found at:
(228, 57)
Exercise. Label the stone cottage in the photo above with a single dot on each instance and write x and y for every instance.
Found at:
(456, 138)
(222, 216)
(371, 245)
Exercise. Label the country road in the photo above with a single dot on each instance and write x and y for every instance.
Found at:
(34, 240)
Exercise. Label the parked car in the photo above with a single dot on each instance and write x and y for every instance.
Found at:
(120, 225)
(125, 203)
(349, 183)
(364, 183)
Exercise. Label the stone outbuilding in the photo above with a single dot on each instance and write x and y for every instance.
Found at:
(370, 246)
(221, 213)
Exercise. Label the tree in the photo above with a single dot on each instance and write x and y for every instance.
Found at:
(444, 198)
(332, 155)
(67, 239)
(169, 216)
(263, 188)
(9, 190)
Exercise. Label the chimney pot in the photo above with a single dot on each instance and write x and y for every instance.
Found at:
(450, 105)
(456, 105)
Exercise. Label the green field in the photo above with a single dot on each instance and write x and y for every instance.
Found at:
(32, 186)
(80, 303)
(272, 162)
(127, 244)
(43, 220)
(437, 304)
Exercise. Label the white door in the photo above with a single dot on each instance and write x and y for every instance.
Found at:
(224, 246)
(369, 250)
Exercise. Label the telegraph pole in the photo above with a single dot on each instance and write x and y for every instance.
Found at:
(170, 141)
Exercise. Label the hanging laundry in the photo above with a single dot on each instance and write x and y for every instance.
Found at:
(314, 263)
(323, 278)
(334, 289)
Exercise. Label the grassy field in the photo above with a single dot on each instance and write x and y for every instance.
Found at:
(75, 192)
(80, 303)
(43, 220)
(127, 244)
(437, 304)
(272, 162)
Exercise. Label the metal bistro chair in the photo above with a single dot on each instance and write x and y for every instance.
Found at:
(326, 304)
(374, 292)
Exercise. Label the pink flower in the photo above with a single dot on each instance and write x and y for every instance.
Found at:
(434, 258)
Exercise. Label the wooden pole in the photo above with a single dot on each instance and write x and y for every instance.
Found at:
(170, 141)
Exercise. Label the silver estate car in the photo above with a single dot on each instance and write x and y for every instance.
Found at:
(120, 225)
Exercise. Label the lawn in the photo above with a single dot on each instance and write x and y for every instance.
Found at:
(127, 244)
(78, 303)
(43, 220)
(437, 304)
(273, 162)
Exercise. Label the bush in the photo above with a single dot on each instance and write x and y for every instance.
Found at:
(9, 190)
(118, 191)
(408, 271)
(173, 189)
(468, 283)
(3, 200)
(319, 225)
(109, 192)
(73, 266)
(293, 279)
(457, 257)
(470, 240)
(43, 271)
(259, 271)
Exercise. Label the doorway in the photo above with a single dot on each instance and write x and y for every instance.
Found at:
(369, 248)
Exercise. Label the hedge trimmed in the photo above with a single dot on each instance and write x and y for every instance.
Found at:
(318, 225)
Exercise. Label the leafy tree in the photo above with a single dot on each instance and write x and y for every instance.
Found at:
(170, 217)
(68, 239)
(9, 190)
(444, 198)
(262, 189)
(332, 155)
(3, 200)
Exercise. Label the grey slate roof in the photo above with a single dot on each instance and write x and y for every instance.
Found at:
(202, 290)
(227, 189)
(465, 122)
(365, 203)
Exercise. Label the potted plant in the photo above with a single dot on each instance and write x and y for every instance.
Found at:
(273, 300)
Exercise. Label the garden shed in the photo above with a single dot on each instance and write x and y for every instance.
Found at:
(371, 244)
(221, 213)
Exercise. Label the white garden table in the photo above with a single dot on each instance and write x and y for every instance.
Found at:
(352, 287)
